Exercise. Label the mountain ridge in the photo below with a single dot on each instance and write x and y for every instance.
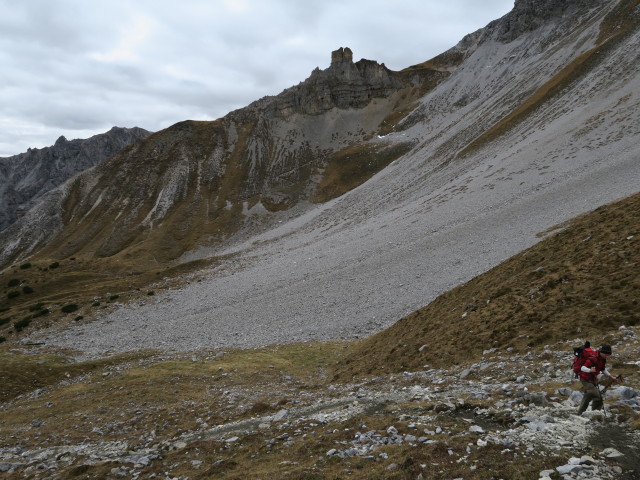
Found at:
(28, 176)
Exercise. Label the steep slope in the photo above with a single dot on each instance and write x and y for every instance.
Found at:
(26, 177)
(578, 283)
(194, 182)
(453, 206)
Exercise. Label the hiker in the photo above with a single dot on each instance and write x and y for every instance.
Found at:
(591, 368)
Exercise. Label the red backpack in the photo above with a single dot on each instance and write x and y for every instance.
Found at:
(581, 355)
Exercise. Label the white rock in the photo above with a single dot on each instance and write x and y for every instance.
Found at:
(612, 453)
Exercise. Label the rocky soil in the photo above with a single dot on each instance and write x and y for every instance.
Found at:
(523, 407)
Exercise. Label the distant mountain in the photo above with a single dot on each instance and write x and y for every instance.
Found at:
(194, 182)
(26, 177)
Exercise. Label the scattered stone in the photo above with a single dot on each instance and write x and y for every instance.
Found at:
(612, 453)
(280, 415)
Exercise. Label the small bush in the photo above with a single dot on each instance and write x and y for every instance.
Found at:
(27, 290)
(78, 318)
(72, 307)
(13, 294)
(114, 297)
(36, 307)
(14, 282)
(24, 266)
(95, 304)
(54, 265)
(151, 293)
(2, 339)
(40, 313)
(4, 320)
(22, 324)
(4, 309)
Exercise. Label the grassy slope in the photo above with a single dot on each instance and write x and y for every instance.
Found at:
(91, 285)
(577, 283)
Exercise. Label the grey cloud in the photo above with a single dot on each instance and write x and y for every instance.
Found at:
(73, 67)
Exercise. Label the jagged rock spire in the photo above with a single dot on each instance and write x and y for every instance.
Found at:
(340, 56)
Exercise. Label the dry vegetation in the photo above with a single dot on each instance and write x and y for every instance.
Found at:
(37, 294)
(354, 165)
(149, 398)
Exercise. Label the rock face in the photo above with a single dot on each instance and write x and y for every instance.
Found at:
(27, 176)
(199, 179)
(528, 15)
(343, 85)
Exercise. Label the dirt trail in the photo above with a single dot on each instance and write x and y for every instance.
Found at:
(613, 435)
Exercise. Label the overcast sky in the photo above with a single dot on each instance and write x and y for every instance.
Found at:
(78, 67)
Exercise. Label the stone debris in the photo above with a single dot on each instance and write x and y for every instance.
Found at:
(515, 416)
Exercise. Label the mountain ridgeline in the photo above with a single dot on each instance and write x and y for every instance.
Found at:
(26, 177)
(196, 183)
(193, 182)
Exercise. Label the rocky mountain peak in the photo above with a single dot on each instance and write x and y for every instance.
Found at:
(27, 176)
(341, 56)
(344, 84)
(528, 15)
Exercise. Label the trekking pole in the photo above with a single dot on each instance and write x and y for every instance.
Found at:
(604, 410)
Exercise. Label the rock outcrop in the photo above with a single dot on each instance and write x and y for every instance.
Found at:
(343, 85)
(26, 177)
(207, 176)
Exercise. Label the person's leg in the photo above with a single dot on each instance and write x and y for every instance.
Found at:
(590, 393)
(597, 399)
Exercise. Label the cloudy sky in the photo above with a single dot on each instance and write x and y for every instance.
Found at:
(78, 67)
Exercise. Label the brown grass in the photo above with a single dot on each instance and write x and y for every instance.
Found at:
(89, 283)
(142, 396)
(354, 165)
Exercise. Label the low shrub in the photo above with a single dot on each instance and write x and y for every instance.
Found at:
(151, 293)
(72, 307)
(22, 324)
(54, 265)
(36, 307)
(27, 290)
(24, 266)
(14, 282)
(4, 320)
(13, 294)
(2, 339)
(40, 313)
(95, 304)
(114, 297)
(78, 318)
